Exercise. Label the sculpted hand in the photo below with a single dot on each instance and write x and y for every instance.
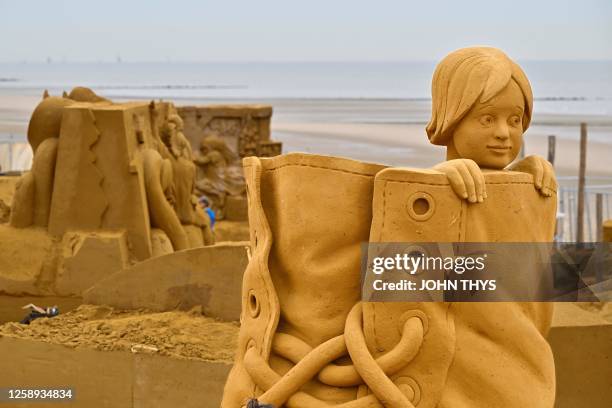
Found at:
(466, 179)
(542, 171)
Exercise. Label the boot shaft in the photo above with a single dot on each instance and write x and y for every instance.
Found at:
(319, 211)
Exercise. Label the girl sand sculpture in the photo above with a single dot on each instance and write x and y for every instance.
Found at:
(307, 339)
(480, 115)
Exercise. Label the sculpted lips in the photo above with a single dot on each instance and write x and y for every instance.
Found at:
(499, 148)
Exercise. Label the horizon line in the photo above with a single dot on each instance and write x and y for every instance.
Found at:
(271, 61)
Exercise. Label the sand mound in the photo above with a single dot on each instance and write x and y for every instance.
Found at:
(187, 335)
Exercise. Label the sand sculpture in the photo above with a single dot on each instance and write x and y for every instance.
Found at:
(220, 136)
(104, 166)
(307, 340)
(219, 173)
(244, 128)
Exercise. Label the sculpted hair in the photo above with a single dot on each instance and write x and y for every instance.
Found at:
(466, 76)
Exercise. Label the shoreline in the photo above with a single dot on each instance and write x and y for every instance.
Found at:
(391, 132)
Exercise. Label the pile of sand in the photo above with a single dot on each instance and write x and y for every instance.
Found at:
(187, 335)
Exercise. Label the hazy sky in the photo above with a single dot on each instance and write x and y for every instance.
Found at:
(306, 30)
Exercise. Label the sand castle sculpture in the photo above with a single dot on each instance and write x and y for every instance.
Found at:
(98, 165)
(306, 339)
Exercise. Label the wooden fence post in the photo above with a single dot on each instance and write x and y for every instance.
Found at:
(552, 139)
(581, 181)
(599, 216)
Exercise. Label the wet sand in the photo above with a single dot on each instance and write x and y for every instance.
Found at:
(407, 145)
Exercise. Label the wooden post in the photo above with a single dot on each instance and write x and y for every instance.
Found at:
(581, 180)
(599, 216)
(552, 139)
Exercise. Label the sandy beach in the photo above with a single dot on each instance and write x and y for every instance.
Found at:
(386, 131)
(407, 145)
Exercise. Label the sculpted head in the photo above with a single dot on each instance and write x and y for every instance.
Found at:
(177, 121)
(83, 94)
(46, 120)
(212, 142)
(481, 106)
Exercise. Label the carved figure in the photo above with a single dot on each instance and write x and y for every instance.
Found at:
(306, 339)
(184, 173)
(220, 173)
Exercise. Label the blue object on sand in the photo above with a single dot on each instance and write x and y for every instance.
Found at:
(211, 215)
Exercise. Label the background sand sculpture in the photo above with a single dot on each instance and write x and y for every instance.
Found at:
(401, 353)
(219, 174)
(101, 165)
(119, 185)
(220, 136)
(110, 185)
(244, 128)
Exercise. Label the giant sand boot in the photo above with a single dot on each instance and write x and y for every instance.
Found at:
(306, 339)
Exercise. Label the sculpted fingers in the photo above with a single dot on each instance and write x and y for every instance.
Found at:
(538, 173)
(456, 182)
(478, 178)
(468, 181)
(465, 178)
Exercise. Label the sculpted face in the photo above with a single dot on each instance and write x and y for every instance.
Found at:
(173, 128)
(491, 133)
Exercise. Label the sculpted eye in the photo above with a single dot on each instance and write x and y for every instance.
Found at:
(486, 120)
(516, 120)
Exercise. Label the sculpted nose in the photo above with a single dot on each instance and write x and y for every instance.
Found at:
(502, 132)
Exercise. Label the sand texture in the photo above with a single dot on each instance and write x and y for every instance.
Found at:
(603, 309)
(184, 335)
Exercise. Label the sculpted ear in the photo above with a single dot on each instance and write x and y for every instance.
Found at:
(45, 94)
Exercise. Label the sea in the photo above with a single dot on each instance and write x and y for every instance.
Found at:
(560, 87)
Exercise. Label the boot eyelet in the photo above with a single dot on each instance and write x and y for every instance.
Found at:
(250, 344)
(254, 308)
(408, 385)
(420, 206)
